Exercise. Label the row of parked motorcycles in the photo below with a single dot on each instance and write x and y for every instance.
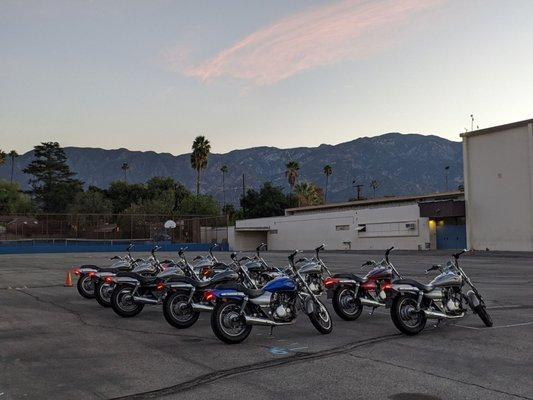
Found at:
(248, 291)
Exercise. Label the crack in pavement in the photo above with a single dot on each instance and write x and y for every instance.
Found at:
(244, 369)
(432, 374)
(95, 325)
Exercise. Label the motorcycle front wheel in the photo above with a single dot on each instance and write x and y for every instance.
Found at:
(321, 319)
(122, 302)
(404, 316)
(345, 304)
(102, 293)
(178, 311)
(85, 286)
(228, 323)
(481, 311)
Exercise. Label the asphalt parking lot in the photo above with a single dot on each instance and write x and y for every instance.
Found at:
(56, 345)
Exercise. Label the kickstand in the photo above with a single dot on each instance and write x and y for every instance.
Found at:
(372, 311)
(271, 330)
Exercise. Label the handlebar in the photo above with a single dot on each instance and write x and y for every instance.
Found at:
(293, 254)
(387, 253)
(154, 249)
(433, 267)
(369, 262)
(456, 255)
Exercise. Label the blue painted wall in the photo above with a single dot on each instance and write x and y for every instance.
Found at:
(93, 247)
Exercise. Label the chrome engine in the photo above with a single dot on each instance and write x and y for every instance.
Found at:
(282, 307)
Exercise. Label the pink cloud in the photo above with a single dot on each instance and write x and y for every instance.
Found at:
(348, 30)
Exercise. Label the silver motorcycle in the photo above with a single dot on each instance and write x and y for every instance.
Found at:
(444, 298)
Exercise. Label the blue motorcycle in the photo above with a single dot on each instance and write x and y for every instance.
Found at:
(238, 308)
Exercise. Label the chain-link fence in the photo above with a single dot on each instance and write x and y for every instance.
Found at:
(189, 229)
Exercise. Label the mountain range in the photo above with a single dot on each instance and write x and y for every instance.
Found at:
(403, 164)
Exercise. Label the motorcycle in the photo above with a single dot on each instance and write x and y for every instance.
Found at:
(188, 295)
(257, 269)
(86, 273)
(350, 293)
(313, 270)
(444, 298)
(238, 308)
(133, 290)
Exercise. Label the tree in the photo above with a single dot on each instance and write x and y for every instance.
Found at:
(199, 156)
(123, 195)
(125, 167)
(2, 157)
(374, 185)
(199, 205)
(93, 201)
(224, 170)
(270, 201)
(327, 171)
(308, 194)
(53, 185)
(12, 200)
(291, 173)
(12, 154)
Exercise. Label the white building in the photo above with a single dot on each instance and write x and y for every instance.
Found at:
(498, 176)
(410, 222)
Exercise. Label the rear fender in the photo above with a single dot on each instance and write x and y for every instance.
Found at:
(229, 294)
(179, 285)
(86, 270)
(124, 280)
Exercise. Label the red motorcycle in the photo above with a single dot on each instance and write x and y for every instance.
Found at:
(350, 293)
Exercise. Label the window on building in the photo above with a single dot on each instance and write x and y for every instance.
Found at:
(342, 227)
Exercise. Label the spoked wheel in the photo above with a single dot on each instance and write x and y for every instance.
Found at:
(405, 316)
(228, 323)
(321, 319)
(481, 311)
(122, 302)
(85, 286)
(345, 304)
(178, 311)
(103, 292)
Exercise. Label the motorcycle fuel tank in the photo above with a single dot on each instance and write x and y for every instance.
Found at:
(282, 284)
(447, 279)
(224, 276)
(310, 268)
(379, 273)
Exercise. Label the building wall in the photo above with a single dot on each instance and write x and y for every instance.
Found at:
(499, 189)
(383, 227)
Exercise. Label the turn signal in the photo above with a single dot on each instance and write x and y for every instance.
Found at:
(108, 280)
(209, 296)
(160, 287)
(386, 286)
(76, 271)
(330, 282)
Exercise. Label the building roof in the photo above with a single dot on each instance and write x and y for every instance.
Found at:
(382, 200)
(498, 128)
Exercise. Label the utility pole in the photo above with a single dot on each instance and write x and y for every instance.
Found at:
(358, 188)
(472, 122)
(243, 194)
(446, 169)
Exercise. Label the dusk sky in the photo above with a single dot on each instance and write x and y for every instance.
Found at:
(151, 75)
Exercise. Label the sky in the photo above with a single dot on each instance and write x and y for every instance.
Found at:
(152, 75)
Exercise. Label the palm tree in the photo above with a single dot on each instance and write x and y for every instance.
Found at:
(199, 156)
(125, 167)
(224, 170)
(308, 194)
(374, 185)
(327, 171)
(2, 157)
(13, 154)
(291, 172)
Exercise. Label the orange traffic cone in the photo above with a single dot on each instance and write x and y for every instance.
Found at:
(68, 281)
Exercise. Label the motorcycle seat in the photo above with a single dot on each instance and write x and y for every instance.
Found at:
(143, 279)
(350, 276)
(412, 282)
(114, 269)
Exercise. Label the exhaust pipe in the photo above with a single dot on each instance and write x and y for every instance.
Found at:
(439, 315)
(144, 300)
(373, 303)
(264, 321)
(202, 307)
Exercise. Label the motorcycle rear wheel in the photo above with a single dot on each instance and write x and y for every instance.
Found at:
(481, 311)
(403, 316)
(348, 307)
(228, 324)
(321, 319)
(177, 310)
(85, 286)
(102, 293)
(122, 302)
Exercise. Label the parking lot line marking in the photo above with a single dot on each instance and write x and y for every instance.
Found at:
(495, 327)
